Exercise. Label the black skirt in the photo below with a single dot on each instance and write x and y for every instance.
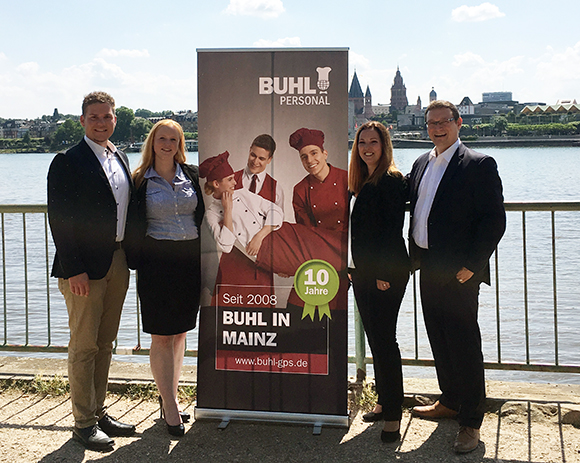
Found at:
(168, 281)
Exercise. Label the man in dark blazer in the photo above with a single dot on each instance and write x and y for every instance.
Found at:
(457, 220)
(89, 190)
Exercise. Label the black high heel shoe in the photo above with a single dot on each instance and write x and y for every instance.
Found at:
(185, 417)
(391, 436)
(177, 430)
(371, 417)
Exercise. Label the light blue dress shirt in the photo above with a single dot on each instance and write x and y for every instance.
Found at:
(170, 209)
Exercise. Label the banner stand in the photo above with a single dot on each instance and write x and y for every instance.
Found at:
(273, 326)
(317, 421)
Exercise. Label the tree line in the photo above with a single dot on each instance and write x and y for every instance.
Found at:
(132, 126)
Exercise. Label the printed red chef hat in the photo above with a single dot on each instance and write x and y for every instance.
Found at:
(216, 167)
(304, 137)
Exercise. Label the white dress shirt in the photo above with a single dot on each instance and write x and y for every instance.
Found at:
(250, 213)
(247, 181)
(432, 176)
(118, 180)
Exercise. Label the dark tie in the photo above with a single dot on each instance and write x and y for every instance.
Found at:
(253, 184)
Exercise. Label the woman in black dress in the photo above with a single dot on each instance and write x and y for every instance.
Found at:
(169, 212)
(380, 263)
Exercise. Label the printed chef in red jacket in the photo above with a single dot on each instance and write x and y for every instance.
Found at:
(320, 203)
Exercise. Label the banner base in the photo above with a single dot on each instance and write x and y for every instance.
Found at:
(226, 416)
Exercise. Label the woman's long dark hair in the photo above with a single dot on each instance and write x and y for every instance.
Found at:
(358, 172)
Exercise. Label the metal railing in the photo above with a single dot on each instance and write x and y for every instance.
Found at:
(30, 295)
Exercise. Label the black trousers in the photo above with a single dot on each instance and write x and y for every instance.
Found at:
(450, 313)
(379, 311)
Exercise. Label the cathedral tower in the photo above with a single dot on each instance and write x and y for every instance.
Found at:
(355, 94)
(399, 93)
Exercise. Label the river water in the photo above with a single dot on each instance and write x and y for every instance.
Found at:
(528, 174)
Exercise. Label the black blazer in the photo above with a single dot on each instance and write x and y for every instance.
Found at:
(467, 218)
(137, 228)
(82, 213)
(376, 224)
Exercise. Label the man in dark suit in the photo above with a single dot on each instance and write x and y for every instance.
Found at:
(457, 220)
(89, 189)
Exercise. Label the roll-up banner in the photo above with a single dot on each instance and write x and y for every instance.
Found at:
(273, 153)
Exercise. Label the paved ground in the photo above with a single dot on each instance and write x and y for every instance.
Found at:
(525, 423)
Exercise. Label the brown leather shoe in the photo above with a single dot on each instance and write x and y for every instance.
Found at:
(434, 411)
(466, 440)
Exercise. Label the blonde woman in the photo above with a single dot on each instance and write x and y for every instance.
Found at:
(170, 210)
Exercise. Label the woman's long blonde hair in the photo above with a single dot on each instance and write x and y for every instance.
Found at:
(148, 154)
(358, 172)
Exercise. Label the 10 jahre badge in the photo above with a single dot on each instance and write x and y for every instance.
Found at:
(316, 282)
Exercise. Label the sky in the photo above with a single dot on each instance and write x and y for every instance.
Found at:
(144, 52)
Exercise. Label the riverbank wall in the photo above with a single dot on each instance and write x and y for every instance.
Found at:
(497, 142)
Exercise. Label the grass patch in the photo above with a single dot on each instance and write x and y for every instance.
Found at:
(188, 393)
(366, 397)
(58, 386)
(147, 391)
(55, 386)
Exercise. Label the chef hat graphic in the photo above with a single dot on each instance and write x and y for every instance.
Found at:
(323, 79)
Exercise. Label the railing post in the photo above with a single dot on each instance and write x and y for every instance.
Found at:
(555, 290)
(359, 345)
(4, 282)
(25, 260)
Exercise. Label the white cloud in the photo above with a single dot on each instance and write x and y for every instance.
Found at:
(28, 68)
(481, 12)
(468, 59)
(474, 66)
(3, 56)
(358, 62)
(472, 75)
(29, 91)
(109, 53)
(564, 65)
(285, 42)
(378, 80)
(265, 9)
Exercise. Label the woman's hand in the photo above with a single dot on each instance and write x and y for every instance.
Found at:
(228, 205)
(255, 243)
(383, 285)
(227, 201)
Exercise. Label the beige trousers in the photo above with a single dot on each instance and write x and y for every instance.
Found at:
(93, 323)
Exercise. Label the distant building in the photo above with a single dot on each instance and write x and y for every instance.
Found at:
(12, 128)
(368, 109)
(414, 108)
(466, 106)
(496, 97)
(432, 95)
(187, 120)
(495, 103)
(413, 119)
(381, 109)
(360, 106)
(399, 93)
(356, 95)
(561, 109)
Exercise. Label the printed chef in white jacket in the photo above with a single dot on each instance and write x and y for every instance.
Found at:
(239, 221)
